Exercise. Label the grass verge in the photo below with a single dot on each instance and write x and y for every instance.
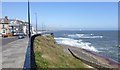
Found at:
(48, 54)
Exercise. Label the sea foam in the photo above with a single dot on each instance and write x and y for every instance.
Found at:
(84, 36)
(76, 43)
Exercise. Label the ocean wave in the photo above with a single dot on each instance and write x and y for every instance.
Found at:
(76, 43)
(84, 36)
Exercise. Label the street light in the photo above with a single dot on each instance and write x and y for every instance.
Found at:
(29, 19)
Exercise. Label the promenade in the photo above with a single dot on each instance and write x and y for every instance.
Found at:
(0, 52)
(14, 55)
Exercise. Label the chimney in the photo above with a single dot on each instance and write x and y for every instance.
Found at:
(6, 19)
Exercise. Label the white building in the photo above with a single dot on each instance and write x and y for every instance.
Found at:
(18, 26)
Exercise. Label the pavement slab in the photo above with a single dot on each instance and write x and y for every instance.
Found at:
(13, 56)
(0, 52)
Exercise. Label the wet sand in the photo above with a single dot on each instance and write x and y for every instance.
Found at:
(92, 56)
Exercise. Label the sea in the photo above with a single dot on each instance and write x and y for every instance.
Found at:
(103, 42)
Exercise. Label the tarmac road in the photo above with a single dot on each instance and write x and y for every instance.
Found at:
(8, 40)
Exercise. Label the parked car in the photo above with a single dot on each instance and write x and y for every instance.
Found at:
(0, 34)
(21, 36)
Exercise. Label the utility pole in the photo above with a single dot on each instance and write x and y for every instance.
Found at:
(36, 21)
(29, 19)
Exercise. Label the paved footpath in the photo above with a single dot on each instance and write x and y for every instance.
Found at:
(14, 56)
(0, 53)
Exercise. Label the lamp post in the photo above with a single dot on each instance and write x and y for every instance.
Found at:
(28, 59)
(29, 19)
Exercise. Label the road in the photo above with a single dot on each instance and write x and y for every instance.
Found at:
(8, 40)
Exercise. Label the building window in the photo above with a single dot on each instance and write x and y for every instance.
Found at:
(3, 31)
(3, 26)
(2, 21)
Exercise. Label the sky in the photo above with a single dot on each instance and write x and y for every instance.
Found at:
(66, 15)
(60, 0)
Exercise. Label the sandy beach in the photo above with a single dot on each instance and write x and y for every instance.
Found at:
(92, 56)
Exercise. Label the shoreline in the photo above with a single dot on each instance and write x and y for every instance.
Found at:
(97, 56)
(102, 56)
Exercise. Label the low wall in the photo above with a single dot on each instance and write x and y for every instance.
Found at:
(93, 64)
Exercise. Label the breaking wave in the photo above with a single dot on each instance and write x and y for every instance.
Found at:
(84, 36)
(76, 43)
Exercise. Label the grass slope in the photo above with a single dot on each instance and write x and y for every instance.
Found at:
(50, 55)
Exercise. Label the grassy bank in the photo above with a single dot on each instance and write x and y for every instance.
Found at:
(50, 55)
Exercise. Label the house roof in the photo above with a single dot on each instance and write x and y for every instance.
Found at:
(4, 21)
(13, 22)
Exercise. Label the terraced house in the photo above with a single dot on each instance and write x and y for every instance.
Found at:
(4, 26)
(12, 27)
(18, 26)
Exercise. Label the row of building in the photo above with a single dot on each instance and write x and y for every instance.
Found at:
(13, 27)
